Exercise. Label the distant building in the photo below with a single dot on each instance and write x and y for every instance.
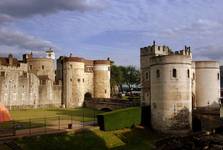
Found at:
(173, 84)
(32, 82)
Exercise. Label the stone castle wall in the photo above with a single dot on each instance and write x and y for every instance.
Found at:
(171, 95)
(81, 76)
(32, 81)
(102, 79)
(17, 87)
(42, 67)
(28, 83)
(172, 99)
(207, 83)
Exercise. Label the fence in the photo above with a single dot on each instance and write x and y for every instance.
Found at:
(38, 126)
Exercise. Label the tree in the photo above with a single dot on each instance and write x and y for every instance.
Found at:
(132, 77)
(116, 78)
(128, 75)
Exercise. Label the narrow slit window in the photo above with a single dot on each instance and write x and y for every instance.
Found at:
(147, 75)
(174, 73)
(157, 73)
(188, 73)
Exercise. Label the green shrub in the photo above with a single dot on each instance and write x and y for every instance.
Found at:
(122, 118)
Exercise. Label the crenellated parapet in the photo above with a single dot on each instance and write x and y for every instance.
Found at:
(154, 50)
(173, 85)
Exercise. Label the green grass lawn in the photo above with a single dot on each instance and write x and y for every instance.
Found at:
(93, 139)
(77, 113)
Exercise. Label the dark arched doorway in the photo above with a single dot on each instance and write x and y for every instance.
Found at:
(87, 96)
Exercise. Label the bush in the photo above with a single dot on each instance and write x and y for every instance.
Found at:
(118, 119)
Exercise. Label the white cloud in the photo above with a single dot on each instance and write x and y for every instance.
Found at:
(27, 8)
(210, 52)
(12, 10)
(22, 40)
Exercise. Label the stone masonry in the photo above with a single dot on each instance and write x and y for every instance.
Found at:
(35, 82)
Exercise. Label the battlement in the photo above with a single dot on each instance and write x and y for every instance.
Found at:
(155, 50)
(186, 51)
(9, 61)
(87, 62)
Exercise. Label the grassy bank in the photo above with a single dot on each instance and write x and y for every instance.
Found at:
(77, 113)
(93, 139)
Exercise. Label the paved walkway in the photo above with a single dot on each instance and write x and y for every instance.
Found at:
(54, 128)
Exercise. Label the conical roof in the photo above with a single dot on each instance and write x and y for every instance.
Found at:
(4, 114)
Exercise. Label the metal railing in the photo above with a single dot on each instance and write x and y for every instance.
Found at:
(37, 126)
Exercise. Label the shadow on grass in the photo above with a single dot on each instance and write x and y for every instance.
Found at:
(81, 140)
(85, 139)
(138, 139)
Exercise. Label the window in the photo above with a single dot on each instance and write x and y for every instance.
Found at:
(109, 68)
(154, 105)
(188, 73)
(78, 80)
(42, 67)
(105, 91)
(25, 74)
(2, 74)
(70, 79)
(43, 82)
(71, 66)
(218, 76)
(83, 79)
(157, 73)
(193, 76)
(30, 67)
(147, 75)
(158, 47)
(174, 73)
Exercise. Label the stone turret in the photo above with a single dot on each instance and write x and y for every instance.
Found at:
(102, 78)
(73, 81)
(81, 76)
(41, 66)
(172, 85)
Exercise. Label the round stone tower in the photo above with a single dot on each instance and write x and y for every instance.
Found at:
(207, 83)
(73, 77)
(171, 99)
(102, 78)
(42, 67)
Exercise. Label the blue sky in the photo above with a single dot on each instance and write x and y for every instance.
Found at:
(98, 29)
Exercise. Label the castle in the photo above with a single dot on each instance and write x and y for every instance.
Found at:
(173, 85)
(35, 82)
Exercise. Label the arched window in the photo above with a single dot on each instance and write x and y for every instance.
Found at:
(157, 73)
(174, 73)
(188, 73)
